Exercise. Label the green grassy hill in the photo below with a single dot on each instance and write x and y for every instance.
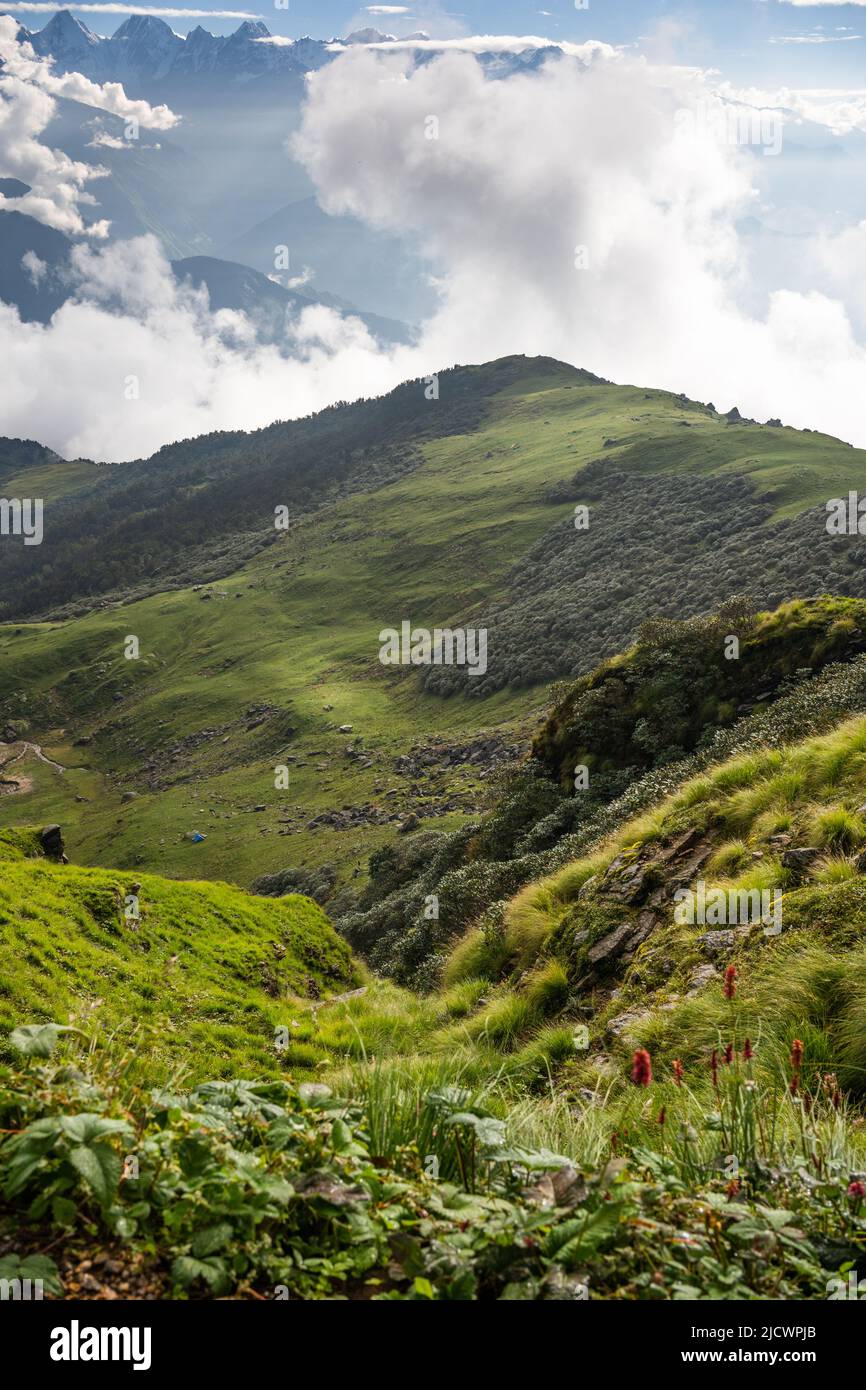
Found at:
(601, 1101)
(457, 510)
(198, 981)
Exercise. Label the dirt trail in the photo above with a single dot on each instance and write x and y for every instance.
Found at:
(13, 753)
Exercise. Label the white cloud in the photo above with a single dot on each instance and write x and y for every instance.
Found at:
(525, 170)
(817, 38)
(102, 140)
(387, 9)
(36, 269)
(838, 108)
(67, 383)
(481, 43)
(28, 88)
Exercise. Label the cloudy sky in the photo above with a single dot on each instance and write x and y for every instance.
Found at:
(642, 210)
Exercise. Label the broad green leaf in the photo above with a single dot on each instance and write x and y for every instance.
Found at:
(186, 1270)
(577, 1239)
(100, 1168)
(37, 1039)
(64, 1211)
(83, 1129)
(33, 1267)
(210, 1239)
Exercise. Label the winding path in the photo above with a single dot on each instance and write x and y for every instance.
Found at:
(23, 749)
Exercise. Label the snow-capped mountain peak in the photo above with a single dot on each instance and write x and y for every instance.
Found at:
(145, 51)
(65, 39)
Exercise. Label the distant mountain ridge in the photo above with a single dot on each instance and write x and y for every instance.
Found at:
(144, 46)
(35, 278)
(146, 49)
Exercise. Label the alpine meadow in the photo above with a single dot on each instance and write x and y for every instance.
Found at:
(433, 671)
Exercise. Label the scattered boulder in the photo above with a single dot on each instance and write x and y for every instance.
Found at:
(800, 859)
(51, 840)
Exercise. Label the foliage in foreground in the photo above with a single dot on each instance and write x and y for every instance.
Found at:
(267, 1189)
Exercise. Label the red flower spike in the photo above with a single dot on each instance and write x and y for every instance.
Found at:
(641, 1068)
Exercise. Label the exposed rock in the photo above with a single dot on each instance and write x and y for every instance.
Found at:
(647, 921)
(679, 846)
(624, 1021)
(716, 943)
(628, 882)
(700, 978)
(605, 951)
(485, 753)
(800, 859)
(51, 840)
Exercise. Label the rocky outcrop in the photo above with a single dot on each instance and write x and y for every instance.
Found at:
(51, 840)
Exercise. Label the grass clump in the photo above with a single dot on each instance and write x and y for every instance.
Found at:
(839, 828)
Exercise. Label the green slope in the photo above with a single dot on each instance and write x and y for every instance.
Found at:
(198, 982)
(526, 1076)
(295, 629)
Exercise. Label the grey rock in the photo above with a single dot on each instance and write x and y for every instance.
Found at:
(609, 947)
(799, 858)
(716, 943)
(699, 980)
